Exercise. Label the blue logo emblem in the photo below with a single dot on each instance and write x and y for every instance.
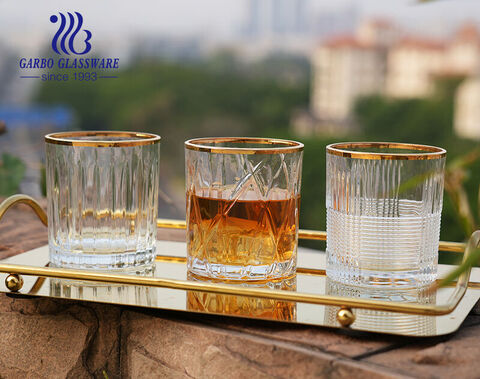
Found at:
(63, 40)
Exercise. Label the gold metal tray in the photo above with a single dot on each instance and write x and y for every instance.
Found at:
(309, 298)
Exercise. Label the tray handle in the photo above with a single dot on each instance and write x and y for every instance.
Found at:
(24, 199)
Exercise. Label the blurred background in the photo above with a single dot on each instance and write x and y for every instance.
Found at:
(314, 71)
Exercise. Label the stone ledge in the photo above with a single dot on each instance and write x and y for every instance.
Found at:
(68, 339)
(58, 339)
(157, 346)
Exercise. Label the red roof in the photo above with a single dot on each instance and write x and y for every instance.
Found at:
(421, 43)
(381, 23)
(346, 41)
(468, 32)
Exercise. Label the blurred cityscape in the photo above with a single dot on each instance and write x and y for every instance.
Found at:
(319, 72)
(381, 58)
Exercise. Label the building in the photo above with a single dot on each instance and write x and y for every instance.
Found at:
(463, 53)
(271, 18)
(379, 59)
(345, 68)
(467, 109)
(378, 32)
(410, 66)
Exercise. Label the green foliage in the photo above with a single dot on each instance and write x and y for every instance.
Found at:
(313, 211)
(43, 180)
(12, 171)
(413, 120)
(180, 102)
(427, 120)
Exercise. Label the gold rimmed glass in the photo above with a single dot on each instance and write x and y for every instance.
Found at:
(102, 189)
(243, 198)
(384, 203)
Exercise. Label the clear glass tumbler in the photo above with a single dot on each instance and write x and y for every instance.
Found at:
(102, 190)
(384, 202)
(243, 197)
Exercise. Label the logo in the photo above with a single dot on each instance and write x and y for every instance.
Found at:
(71, 43)
(65, 39)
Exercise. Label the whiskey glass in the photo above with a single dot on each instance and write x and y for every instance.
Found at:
(243, 197)
(384, 204)
(102, 190)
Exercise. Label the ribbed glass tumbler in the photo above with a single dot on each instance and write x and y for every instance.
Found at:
(102, 190)
(384, 202)
(243, 198)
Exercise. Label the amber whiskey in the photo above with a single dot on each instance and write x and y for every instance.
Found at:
(242, 239)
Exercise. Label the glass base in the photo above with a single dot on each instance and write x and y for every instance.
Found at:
(403, 279)
(138, 262)
(238, 273)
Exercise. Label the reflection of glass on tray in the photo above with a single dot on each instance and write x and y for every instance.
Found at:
(243, 199)
(384, 202)
(382, 321)
(116, 293)
(245, 305)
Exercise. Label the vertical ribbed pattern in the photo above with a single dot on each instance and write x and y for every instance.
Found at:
(383, 220)
(102, 206)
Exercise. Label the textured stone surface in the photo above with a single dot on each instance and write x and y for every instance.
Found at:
(457, 356)
(57, 338)
(156, 346)
(329, 341)
(30, 345)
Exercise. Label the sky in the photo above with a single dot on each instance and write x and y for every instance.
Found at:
(171, 17)
(216, 18)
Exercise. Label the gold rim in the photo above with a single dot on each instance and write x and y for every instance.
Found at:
(345, 149)
(286, 146)
(74, 138)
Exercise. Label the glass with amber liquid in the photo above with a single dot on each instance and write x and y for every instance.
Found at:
(243, 198)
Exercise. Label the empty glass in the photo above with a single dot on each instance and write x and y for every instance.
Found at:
(243, 198)
(102, 190)
(384, 202)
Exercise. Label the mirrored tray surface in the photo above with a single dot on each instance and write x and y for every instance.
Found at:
(310, 279)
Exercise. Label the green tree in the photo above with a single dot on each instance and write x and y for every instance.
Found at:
(12, 171)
